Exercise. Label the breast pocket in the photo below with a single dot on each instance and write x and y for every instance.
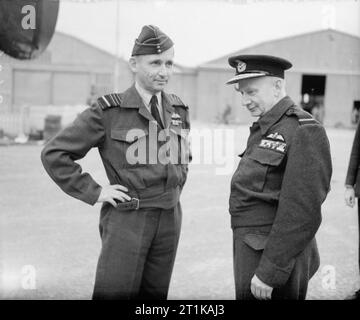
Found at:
(130, 146)
(258, 165)
(173, 147)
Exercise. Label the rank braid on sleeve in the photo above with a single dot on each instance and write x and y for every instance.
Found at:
(110, 100)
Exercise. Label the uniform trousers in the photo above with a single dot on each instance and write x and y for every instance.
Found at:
(138, 252)
(246, 258)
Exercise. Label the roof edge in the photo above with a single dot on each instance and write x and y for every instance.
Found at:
(211, 62)
(88, 44)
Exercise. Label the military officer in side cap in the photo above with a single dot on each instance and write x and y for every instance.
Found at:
(277, 190)
(141, 137)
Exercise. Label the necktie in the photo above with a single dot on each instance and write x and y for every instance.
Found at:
(155, 110)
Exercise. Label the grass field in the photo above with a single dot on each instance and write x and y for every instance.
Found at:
(50, 242)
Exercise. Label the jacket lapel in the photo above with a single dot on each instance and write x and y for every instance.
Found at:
(132, 99)
(145, 112)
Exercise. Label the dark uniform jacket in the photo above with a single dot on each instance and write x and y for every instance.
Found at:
(353, 173)
(281, 181)
(123, 130)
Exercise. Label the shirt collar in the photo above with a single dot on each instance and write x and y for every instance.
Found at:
(146, 96)
(274, 114)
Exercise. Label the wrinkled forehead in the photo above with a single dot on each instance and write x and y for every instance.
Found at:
(256, 83)
(165, 56)
(251, 83)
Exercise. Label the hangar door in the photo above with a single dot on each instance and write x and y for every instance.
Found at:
(40, 88)
(70, 88)
(313, 94)
(32, 88)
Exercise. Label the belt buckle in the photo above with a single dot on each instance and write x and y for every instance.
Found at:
(137, 203)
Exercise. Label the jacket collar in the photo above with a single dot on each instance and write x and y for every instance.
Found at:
(146, 96)
(132, 99)
(274, 114)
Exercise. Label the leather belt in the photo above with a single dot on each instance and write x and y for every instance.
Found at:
(134, 203)
(165, 200)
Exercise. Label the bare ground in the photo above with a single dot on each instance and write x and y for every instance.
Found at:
(45, 233)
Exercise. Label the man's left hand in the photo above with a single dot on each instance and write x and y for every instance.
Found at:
(260, 290)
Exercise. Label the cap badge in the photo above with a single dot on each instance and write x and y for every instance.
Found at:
(241, 66)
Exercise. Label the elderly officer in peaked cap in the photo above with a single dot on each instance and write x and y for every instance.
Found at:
(277, 190)
(141, 137)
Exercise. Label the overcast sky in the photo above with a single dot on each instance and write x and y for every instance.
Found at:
(204, 29)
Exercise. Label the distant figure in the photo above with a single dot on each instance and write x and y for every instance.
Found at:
(318, 113)
(352, 189)
(92, 99)
(226, 114)
(355, 116)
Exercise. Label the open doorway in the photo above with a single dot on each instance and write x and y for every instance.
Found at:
(312, 95)
(355, 114)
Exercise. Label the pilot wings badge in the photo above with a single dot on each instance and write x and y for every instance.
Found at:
(176, 119)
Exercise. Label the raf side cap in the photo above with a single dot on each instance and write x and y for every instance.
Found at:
(151, 40)
(251, 66)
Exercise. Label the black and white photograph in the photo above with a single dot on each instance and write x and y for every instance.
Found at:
(179, 150)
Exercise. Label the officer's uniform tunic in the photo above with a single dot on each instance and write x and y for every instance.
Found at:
(139, 238)
(275, 203)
